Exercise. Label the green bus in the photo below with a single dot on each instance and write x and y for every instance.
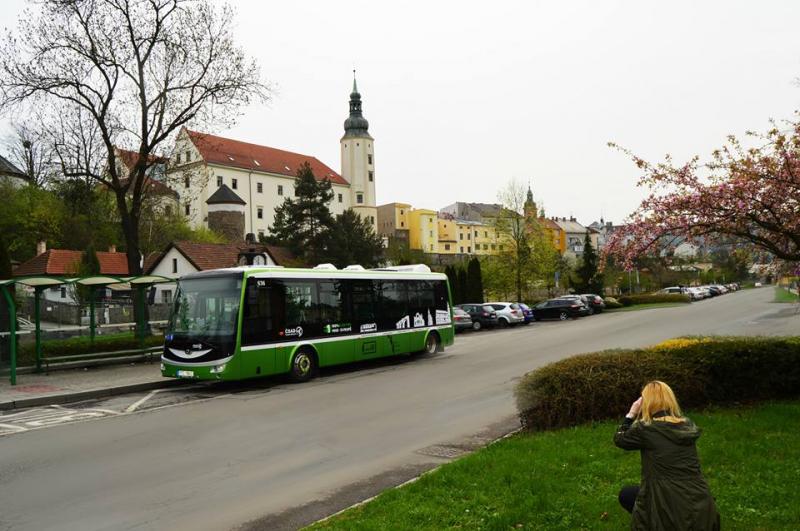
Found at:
(247, 322)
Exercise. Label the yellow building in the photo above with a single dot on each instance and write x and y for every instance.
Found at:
(448, 236)
(393, 217)
(423, 230)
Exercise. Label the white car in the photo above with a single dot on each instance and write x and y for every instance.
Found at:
(697, 293)
(508, 313)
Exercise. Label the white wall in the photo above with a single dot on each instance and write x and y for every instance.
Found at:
(165, 268)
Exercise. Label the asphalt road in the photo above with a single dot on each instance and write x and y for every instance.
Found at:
(275, 455)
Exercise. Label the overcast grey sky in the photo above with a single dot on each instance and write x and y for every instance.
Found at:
(462, 96)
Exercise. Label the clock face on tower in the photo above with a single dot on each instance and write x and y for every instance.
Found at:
(259, 259)
(243, 260)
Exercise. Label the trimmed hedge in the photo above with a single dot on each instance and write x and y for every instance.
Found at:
(612, 303)
(73, 346)
(652, 298)
(701, 371)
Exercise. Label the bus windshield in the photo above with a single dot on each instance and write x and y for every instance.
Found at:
(206, 307)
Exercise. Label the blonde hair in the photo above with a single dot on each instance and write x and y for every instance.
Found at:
(658, 396)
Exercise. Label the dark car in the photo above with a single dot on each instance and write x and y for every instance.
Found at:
(559, 309)
(461, 319)
(583, 299)
(526, 312)
(596, 302)
(482, 315)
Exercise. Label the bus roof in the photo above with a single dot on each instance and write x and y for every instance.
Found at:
(289, 272)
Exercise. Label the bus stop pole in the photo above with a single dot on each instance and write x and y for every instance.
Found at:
(140, 323)
(12, 318)
(37, 298)
(91, 315)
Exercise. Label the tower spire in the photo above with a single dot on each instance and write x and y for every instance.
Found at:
(356, 124)
(355, 87)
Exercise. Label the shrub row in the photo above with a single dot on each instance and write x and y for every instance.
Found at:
(651, 298)
(83, 345)
(602, 385)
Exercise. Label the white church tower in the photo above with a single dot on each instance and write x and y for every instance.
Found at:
(358, 160)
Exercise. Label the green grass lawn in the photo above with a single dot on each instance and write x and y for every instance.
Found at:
(784, 295)
(569, 479)
(650, 306)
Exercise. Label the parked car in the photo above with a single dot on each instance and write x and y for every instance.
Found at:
(559, 309)
(526, 312)
(596, 302)
(482, 315)
(583, 299)
(697, 293)
(461, 319)
(674, 290)
(508, 313)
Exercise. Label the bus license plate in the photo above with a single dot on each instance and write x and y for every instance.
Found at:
(185, 374)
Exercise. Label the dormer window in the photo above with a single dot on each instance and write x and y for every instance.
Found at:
(178, 158)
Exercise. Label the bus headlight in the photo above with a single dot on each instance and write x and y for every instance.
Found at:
(218, 369)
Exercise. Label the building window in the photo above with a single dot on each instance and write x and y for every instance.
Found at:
(371, 175)
(360, 198)
(447, 247)
(219, 181)
(340, 198)
(186, 182)
(469, 249)
(501, 247)
(174, 265)
(476, 234)
(401, 211)
(166, 296)
(369, 159)
(431, 247)
(280, 189)
(178, 158)
(260, 213)
(63, 292)
(461, 236)
(259, 188)
(372, 218)
(485, 246)
(430, 233)
(469, 235)
(485, 234)
(493, 247)
(188, 156)
(462, 249)
(234, 184)
(260, 235)
(402, 223)
(186, 209)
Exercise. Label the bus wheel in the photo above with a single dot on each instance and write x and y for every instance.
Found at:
(304, 366)
(432, 344)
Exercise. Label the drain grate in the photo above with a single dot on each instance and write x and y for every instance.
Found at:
(442, 451)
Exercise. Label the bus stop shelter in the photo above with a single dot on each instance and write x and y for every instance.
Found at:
(40, 283)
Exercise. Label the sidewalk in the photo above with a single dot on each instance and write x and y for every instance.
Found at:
(63, 386)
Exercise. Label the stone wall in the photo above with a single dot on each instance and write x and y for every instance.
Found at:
(228, 223)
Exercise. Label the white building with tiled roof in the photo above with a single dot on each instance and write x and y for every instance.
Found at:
(263, 177)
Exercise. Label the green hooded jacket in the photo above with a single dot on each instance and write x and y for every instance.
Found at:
(673, 493)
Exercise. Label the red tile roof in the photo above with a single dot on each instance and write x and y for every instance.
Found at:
(129, 158)
(205, 256)
(227, 152)
(63, 262)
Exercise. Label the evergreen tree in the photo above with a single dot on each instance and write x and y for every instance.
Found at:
(588, 278)
(452, 278)
(87, 267)
(463, 289)
(302, 223)
(352, 241)
(475, 280)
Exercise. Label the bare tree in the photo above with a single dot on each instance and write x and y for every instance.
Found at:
(127, 74)
(511, 227)
(30, 150)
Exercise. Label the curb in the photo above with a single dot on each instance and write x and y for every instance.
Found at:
(77, 396)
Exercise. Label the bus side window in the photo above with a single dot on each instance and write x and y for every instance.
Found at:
(363, 301)
(301, 308)
(257, 321)
(392, 304)
(333, 307)
(442, 300)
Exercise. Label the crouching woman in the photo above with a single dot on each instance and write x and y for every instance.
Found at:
(673, 494)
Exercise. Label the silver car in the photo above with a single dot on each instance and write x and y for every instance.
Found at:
(508, 313)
